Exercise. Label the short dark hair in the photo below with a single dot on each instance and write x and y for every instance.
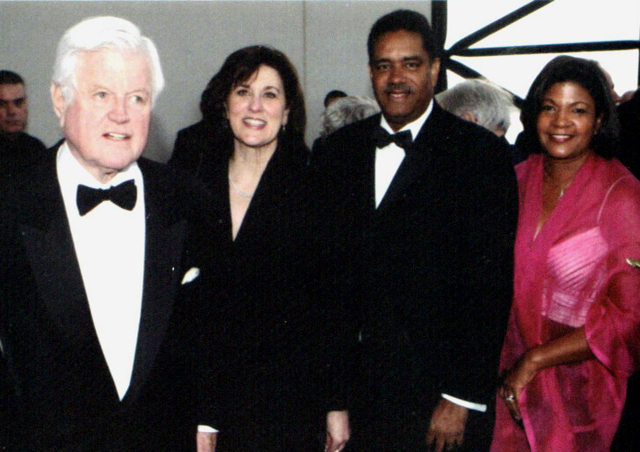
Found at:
(587, 74)
(10, 78)
(237, 68)
(403, 19)
(333, 94)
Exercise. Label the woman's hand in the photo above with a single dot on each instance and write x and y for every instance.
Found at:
(570, 348)
(514, 381)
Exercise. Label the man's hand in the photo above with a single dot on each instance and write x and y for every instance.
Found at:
(446, 429)
(338, 430)
(206, 441)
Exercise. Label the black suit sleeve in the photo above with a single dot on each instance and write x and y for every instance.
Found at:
(484, 269)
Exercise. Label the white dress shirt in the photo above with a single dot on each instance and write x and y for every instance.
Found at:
(110, 246)
(390, 157)
(388, 160)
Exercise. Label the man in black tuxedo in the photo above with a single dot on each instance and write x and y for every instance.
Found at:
(100, 284)
(423, 209)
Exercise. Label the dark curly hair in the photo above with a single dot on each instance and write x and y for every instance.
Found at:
(587, 74)
(238, 68)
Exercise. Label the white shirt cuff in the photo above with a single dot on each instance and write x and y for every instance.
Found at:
(472, 406)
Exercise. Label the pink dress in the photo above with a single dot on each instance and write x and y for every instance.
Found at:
(574, 273)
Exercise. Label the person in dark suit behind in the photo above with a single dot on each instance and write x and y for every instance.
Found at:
(333, 96)
(628, 434)
(100, 266)
(18, 149)
(194, 148)
(629, 115)
(276, 349)
(423, 210)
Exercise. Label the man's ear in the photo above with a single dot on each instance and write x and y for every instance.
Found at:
(469, 116)
(435, 71)
(59, 103)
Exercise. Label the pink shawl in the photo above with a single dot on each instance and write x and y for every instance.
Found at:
(574, 273)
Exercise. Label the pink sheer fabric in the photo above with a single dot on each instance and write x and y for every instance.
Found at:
(574, 273)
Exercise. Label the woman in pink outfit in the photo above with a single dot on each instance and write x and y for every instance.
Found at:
(574, 330)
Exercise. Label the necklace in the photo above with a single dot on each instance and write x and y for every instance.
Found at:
(562, 186)
(244, 194)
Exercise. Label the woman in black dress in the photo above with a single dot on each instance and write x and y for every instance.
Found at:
(279, 358)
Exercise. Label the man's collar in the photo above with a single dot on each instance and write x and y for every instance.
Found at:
(74, 171)
(414, 126)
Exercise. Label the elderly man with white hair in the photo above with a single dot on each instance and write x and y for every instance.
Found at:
(347, 110)
(101, 268)
(480, 102)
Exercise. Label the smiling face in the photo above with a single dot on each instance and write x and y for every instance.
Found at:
(403, 77)
(13, 108)
(567, 122)
(257, 109)
(107, 122)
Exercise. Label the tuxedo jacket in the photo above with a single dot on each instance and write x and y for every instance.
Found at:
(60, 392)
(427, 276)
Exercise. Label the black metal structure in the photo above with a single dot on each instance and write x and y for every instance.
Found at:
(463, 47)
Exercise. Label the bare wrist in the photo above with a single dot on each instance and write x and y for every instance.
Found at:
(534, 359)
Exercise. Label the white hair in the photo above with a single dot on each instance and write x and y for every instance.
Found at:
(345, 111)
(489, 104)
(97, 33)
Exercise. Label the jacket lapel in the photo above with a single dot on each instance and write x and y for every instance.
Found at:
(416, 161)
(365, 168)
(50, 251)
(165, 234)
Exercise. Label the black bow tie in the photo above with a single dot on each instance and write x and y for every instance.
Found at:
(382, 138)
(123, 195)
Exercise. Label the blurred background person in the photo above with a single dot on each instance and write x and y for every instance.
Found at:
(627, 96)
(333, 96)
(629, 115)
(17, 148)
(192, 150)
(273, 395)
(347, 110)
(481, 102)
(572, 339)
(343, 111)
(617, 99)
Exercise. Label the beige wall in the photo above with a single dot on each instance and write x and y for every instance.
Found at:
(326, 40)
